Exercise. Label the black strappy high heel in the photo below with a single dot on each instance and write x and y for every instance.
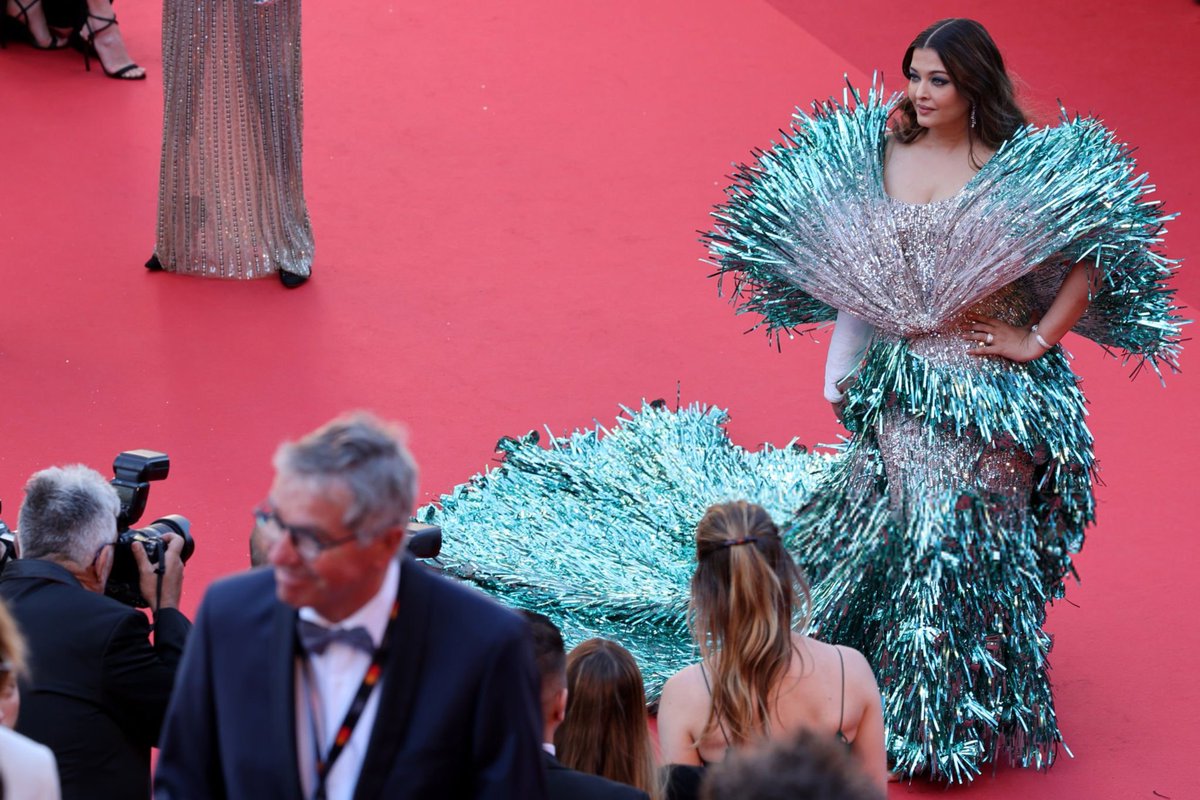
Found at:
(17, 27)
(88, 48)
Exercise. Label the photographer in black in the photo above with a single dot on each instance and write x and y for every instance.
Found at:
(98, 686)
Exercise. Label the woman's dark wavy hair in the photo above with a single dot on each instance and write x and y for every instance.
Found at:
(977, 70)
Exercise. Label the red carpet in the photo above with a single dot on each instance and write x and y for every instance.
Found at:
(505, 199)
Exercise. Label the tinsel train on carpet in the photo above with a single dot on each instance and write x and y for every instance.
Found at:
(598, 530)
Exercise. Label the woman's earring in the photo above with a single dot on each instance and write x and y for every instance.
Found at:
(972, 115)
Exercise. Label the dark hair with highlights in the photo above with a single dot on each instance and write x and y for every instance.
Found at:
(977, 70)
(748, 596)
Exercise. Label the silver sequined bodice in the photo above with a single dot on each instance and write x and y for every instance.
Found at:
(922, 250)
(920, 459)
(231, 196)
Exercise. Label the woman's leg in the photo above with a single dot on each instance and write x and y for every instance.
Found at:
(31, 14)
(101, 30)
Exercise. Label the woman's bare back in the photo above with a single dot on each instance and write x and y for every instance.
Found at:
(810, 697)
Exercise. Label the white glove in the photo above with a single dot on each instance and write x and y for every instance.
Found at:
(851, 337)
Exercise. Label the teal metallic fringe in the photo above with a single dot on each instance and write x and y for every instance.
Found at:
(1061, 195)
(947, 599)
(598, 530)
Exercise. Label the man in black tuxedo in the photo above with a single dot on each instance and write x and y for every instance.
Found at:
(98, 689)
(563, 783)
(347, 670)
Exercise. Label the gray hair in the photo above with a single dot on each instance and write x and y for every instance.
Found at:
(366, 455)
(67, 512)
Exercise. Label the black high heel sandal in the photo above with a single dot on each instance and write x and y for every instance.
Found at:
(17, 27)
(88, 48)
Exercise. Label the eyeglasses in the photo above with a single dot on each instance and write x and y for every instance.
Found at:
(309, 542)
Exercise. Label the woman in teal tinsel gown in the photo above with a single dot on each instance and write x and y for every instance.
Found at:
(938, 229)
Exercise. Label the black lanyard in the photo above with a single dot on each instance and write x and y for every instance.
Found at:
(374, 672)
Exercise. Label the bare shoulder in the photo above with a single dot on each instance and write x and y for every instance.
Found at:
(891, 145)
(685, 685)
(856, 663)
(900, 163)
(858, 671)
(685, 698)
(682, 713)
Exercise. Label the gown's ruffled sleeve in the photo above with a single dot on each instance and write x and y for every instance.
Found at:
(1073, 195)
(805, 230)
(776, 234)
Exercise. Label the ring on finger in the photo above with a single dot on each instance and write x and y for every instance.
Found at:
(989, 339)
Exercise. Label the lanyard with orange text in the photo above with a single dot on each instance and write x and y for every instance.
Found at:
(324, 765)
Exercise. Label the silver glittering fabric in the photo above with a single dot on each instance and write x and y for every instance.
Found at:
(231, 196)
(936, 542)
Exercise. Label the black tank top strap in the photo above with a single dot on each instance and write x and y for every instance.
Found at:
(842, 711)
(721, 725)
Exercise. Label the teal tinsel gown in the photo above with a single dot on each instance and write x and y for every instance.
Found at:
(937, 535)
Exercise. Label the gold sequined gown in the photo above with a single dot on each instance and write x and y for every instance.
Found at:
(231, 193)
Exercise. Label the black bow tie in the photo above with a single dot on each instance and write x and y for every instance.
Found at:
(316, 638)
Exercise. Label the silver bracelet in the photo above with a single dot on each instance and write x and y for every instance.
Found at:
(1039, 338)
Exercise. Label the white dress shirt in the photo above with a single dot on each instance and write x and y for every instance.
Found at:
(337, 673)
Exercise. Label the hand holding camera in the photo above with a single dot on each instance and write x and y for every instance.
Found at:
(160, 580)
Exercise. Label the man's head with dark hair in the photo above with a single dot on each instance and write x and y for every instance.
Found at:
(806, 767)
(551, 658)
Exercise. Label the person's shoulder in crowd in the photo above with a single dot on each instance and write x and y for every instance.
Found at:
(27, 768)
(52, 588)
(564, 783)
(456, 603)
(467, 604)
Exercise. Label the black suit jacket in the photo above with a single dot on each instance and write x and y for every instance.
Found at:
(459, 713)
(98, 689)
(570, 784)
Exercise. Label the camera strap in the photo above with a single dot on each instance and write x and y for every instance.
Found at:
(160, 569)
(325, 764)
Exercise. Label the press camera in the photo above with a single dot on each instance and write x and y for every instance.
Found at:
(133, 471)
